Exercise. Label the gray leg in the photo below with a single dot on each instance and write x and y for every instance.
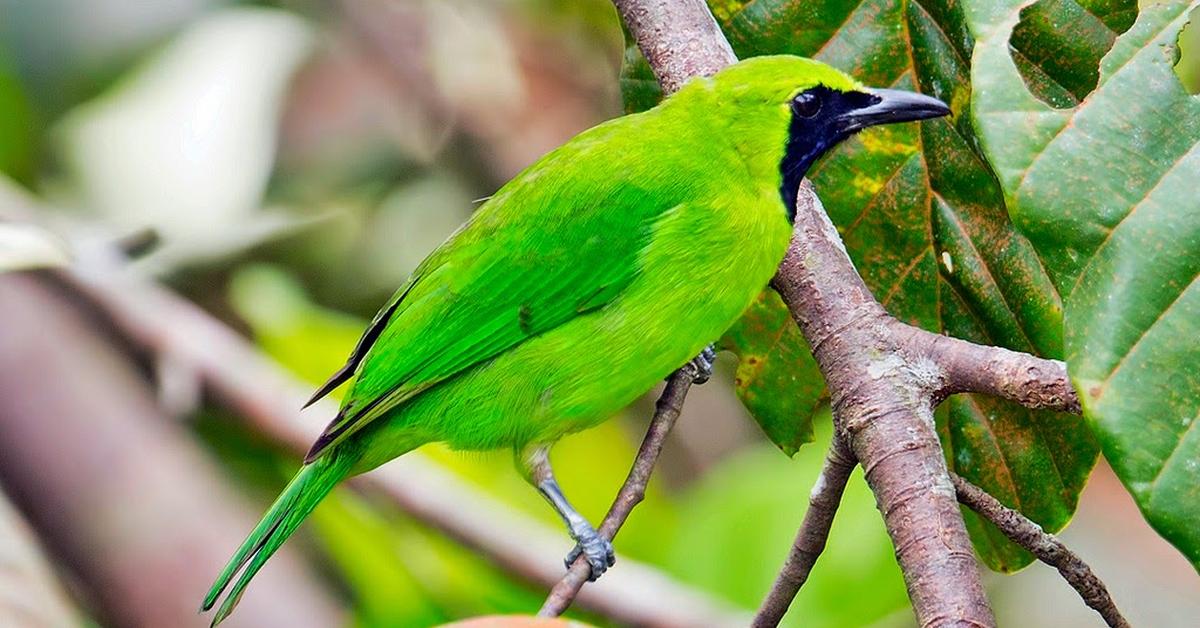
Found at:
(703, 364)
(535, 464)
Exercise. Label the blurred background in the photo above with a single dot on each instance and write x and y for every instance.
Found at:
(283, 166)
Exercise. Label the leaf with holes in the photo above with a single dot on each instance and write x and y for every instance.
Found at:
(924, 220)
(1106, 192)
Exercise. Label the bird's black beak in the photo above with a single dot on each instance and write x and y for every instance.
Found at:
(893, 105)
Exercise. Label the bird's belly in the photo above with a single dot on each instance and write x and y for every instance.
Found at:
(584, 371)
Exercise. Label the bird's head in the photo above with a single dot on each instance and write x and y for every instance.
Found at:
(784, 112)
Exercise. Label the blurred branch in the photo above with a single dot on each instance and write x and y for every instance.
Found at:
(632, 492)
(1045, 547)
(29, 593)
(119, 491)
(814, 532)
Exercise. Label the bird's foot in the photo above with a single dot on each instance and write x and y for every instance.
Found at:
(597, 549)
(702, 365)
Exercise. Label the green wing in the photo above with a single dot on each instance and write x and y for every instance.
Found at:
(523, 265)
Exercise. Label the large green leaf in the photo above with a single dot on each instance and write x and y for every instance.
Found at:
(1107, 192)
(924, 220)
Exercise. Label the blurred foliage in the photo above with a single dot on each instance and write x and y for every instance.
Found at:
(18, 127)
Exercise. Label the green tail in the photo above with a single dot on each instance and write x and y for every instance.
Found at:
(311, 484)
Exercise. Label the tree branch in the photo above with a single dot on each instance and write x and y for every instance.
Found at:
(814, 532)
(119, 490)
(679, 38)
(632, 492)
(1036, 383)
(882, 399)
(1048, 549)
(882, 405)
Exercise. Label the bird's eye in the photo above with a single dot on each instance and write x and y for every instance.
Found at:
(806, 104)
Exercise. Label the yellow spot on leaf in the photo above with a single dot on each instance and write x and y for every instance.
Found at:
(883, 141)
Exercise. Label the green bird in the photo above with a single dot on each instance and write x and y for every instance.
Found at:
(584, 281)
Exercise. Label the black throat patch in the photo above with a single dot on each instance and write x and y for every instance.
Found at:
(810, 136)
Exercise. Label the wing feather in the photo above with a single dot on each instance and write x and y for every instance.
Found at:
(525, 264)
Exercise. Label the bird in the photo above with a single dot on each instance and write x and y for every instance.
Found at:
(593, 274)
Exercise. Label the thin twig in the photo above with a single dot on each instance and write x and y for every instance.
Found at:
(1046, 547)
(814, 532)
(632, 492)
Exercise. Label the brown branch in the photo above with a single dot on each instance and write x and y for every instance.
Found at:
(632, 492)
(883, 385)
(1048, 549)
(882, 405)
(679, 38)
(120, 491)
(814, 532)
(1036, 383)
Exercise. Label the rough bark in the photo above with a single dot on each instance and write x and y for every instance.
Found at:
(680, 39)
(881, 395)
(814, 533)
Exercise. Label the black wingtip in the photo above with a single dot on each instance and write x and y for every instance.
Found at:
(321, 392)
(336, 428)
(334, 381)
(314, 452)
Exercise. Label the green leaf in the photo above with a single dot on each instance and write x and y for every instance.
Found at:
(1060, 69)
(773, 357)
(19, 126)
(924, 219)
(1106, 192)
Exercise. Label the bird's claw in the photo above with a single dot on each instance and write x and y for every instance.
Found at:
(702, 365)
(597, 549)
